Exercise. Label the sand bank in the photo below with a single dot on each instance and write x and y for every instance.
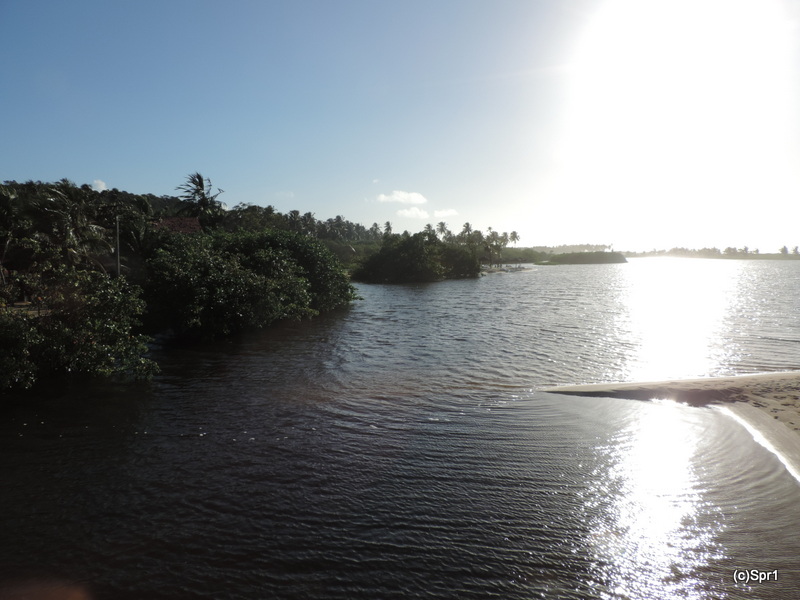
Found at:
(775, 394)
(767, 404)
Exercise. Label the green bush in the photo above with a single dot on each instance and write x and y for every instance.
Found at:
(17, 337)
(329, 287)
(84, 329)
(417, 258)
(205, 286)
(88, 327)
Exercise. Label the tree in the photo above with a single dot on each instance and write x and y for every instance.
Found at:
(199, 201)
(514, 237)
(784, 250)
(293, 219)
(420, 257)
(61, 217)
(308, 224)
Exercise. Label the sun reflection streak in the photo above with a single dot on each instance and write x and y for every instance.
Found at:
(676, 309)
(648, 539)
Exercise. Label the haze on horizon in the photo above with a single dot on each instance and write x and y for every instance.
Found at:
(642, 125)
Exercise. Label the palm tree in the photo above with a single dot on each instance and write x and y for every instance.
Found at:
(340, 227)
(387, 228)
(309, 224)
(465, 236)
(293, 220)
(514, 237)
(64, 220)
(375, 231)
(197, 200)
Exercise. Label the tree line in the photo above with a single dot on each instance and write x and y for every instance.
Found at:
(729, 252)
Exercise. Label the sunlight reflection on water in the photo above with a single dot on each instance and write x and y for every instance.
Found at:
(654, 537)
(676, 311)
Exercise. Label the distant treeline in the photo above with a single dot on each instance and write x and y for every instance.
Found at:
(729, 252)
(85, 274)
(586, 258)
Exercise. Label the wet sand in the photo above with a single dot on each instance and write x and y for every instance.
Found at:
(775, 394)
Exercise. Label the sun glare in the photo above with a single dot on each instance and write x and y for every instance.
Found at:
(675, 101)
(652, 541)
(675, 310)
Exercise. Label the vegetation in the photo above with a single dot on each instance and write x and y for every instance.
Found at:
(432, 255)
(419, 257)
(85, 275)
(86, 329)
(586, 258)
(75, 302)
(730, 252)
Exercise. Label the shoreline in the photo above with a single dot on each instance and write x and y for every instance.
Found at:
(766, 404)
(776, 394)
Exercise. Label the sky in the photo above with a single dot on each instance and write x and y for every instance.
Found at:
(638, 124)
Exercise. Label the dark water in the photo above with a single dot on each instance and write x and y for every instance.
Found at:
(401, 449)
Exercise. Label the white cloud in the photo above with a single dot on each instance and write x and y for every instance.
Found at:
(445, 213)
(375, 180)
(98, 185)
(403, 197)
(415, 212)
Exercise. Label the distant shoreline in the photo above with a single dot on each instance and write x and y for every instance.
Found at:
(713, 254)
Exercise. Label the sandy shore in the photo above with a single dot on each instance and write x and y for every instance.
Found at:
(775, 394)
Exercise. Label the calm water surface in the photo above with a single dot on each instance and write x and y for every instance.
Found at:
(401, 449)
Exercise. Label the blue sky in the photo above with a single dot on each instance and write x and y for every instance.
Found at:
(568, 121)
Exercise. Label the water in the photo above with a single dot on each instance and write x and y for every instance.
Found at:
(401, 449)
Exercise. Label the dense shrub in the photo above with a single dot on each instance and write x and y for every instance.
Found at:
(17, 338)
(86, 328)
(417, 258)
(210, 285)
(89, 327)
(328, 284)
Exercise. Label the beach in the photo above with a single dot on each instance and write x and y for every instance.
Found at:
(776, 394)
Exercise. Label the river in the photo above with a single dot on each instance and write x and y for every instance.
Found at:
(402, 448)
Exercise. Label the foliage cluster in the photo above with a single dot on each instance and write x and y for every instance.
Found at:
(205, 286)
(586, 258)
(420, 257)
(80, 268)
(87, 328)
